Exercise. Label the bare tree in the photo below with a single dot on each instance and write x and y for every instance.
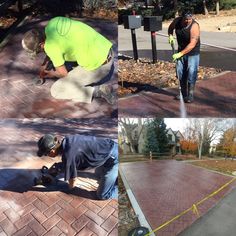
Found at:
(127, 126)
(204, 132)
(205, 7)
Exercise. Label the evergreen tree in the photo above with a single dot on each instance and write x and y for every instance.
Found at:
(150, 138)
(156, 139)
(162, 139)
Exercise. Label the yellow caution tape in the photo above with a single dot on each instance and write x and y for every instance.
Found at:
(192, 208)
(195, 210)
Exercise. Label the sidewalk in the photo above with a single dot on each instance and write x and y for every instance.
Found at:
(20, 98)
(214, 97)
(26, 209)
(218, 221)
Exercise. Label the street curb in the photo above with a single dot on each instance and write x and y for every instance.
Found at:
(142, 220)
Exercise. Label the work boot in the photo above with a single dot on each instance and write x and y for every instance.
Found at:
(106, 92)
(190, 93)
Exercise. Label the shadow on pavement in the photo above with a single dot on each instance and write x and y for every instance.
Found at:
(145, 87)
(22, 180)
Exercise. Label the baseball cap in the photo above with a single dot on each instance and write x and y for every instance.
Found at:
(46, 144)
(31, 41)
(187, 14)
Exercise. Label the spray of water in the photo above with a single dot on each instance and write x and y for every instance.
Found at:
(182, 108)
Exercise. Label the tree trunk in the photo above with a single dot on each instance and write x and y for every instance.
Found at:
(200, 149)
(205, 7)
(146, 4)
(217, 7)
(176, 8)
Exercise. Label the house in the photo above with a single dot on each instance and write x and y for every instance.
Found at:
(174, 138)
(138, 133)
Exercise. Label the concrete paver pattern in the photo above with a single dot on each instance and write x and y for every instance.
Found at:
(54, 210)
(213, 98)
(20, 98)
(163, 189)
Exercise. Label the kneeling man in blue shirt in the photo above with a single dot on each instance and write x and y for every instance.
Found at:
(80, 152)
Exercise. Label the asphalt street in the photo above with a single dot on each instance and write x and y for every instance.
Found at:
(212, 57)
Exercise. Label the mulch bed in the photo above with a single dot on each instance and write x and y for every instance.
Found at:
(133, 75)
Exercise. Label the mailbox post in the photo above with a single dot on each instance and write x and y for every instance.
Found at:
(153, 24)
(133, 22)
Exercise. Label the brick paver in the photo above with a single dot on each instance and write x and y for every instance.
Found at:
(164, 189)
(20, 98)
(213, 98)
(29, 210)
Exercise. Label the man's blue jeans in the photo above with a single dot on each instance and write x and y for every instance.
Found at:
(108, 186)
(187, 68)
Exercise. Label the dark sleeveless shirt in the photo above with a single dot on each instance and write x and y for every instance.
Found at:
(183, 37)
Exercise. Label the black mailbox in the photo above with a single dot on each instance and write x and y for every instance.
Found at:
(152, 23)
(132, 21)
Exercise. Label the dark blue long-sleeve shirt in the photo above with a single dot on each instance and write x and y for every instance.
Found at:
(81, 151)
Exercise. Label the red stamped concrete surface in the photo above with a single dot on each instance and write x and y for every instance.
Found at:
(163, 189)
(214, 97)
(35, 210)
(19, 98)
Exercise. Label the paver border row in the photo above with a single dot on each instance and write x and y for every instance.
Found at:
(141, 217)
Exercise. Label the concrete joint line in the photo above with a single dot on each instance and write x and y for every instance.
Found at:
(141, 217)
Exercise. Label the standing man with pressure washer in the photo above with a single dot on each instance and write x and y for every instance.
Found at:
(66, 40)
(187, 31)
(80, 152)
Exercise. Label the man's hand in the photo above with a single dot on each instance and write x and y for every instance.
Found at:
(177, 56)
(72, 183)
(50, 74)
(171, 39)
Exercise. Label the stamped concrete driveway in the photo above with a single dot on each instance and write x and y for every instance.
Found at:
(26, 209)
(20, 98)
(163, 189)
(214, 97)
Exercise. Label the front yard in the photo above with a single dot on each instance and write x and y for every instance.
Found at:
(225, 166)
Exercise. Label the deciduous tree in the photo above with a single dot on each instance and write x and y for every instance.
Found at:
(127, 126)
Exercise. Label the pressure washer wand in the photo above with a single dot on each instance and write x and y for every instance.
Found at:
(173, 51)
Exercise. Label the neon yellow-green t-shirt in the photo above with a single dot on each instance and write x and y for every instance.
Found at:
(71, 40)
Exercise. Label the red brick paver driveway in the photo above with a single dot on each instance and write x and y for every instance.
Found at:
(163, 189)
(52, 210)
(213, 98)
(20, 98)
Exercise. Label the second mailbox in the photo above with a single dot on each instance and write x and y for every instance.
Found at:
(132, 21)
(152, 23)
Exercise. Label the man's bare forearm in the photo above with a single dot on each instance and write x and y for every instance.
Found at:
(188, 48)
